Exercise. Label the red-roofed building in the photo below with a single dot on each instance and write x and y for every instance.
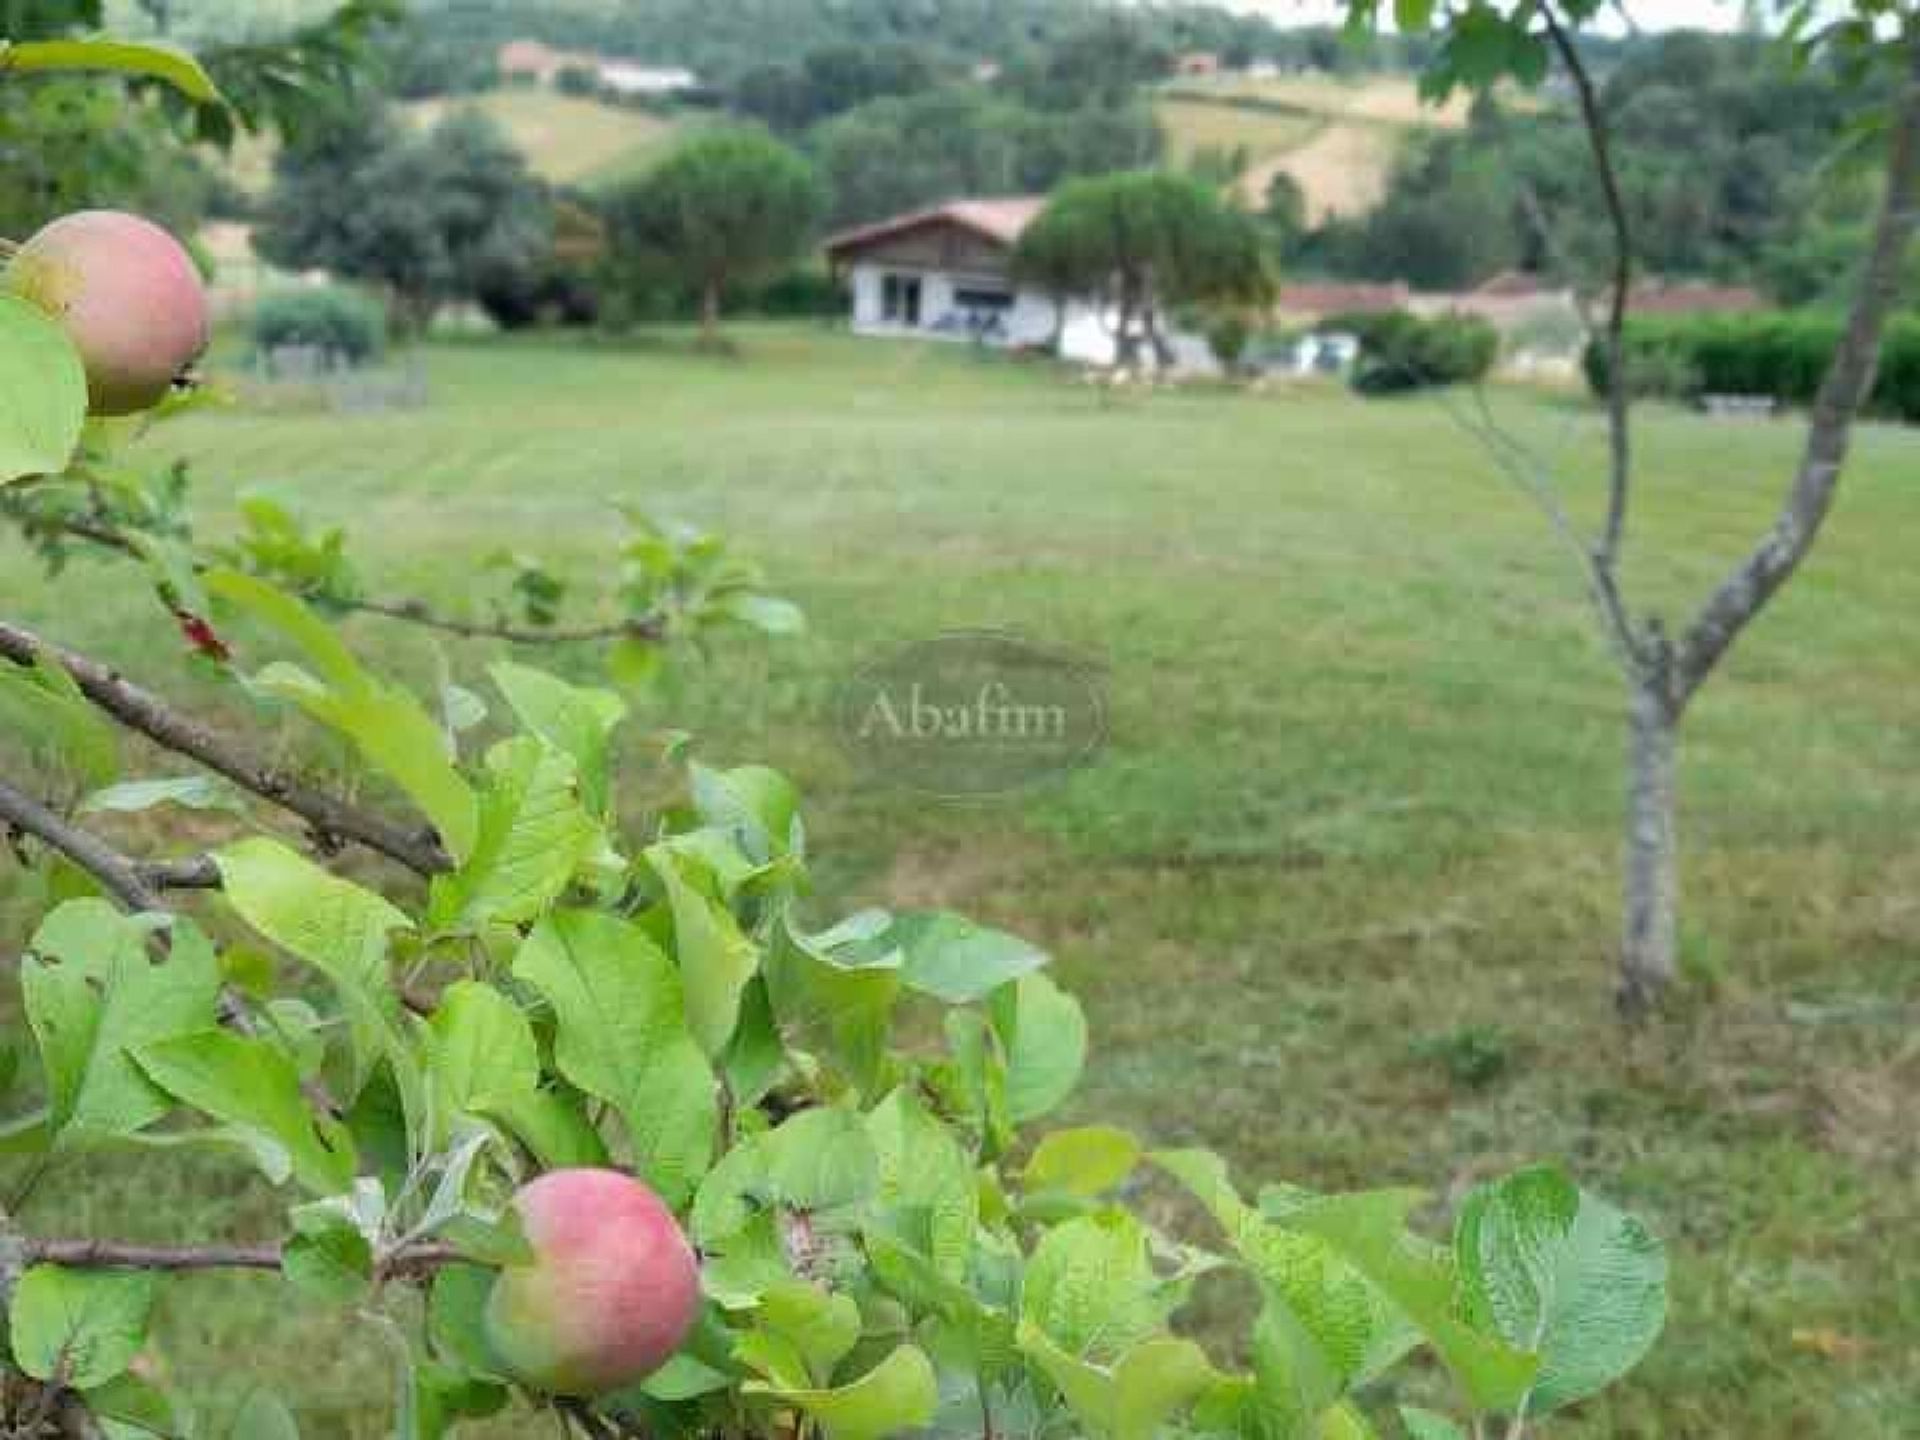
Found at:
(945, 272)
(1309, 301)
(1681, 298)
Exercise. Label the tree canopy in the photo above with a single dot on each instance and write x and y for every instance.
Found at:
(728, 207)
(1142, 240)
(429, 218)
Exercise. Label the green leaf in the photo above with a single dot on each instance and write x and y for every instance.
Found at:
(1043, 1031)
(43, 392)
(1411, 16)
(834, 999)
(153, 62)
(758, 807)
(339, 929)
(803, 1331)
(1325, 1325)
(929, 1195)
(1369, 1231)
(263, 1417)
(953, 959)
(128, 1407)
(43, 707)
(456, 1317)
(716, 959)
(550, 1124)
(819, 1159)
(1135, 1398)
(249, 1085)
(574, 720)
(533, 837)
(1091, 1286)
(1560, 1272)
(385, 723)
(1426, 1425)
(481, 1054)
(623, 1037)
(1085, 1162)
(765, 613)
(79, 1328)
(897, 1395)
(328, 1258)
(93, 995)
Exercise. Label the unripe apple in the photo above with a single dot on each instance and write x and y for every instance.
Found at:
(128, 296)
(610, 1294)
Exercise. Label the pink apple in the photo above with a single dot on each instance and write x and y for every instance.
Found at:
(128, 296)
(610, 1294)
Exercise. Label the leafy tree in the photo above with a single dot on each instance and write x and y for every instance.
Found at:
(428, 219)
(1139, 242)
(1665, 665)
(726, 208)
(894, 154)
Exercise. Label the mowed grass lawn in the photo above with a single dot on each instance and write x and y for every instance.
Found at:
(1339, 895)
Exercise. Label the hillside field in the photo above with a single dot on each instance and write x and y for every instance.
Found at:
(1336, 137)
(567, 139)
(1340, 893)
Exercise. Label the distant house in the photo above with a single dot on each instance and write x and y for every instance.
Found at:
(945, 272)
(623, 78)
(1197, 64)
(531, 62)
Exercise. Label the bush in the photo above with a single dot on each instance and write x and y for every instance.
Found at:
(1781, 354)
(1227, 338)
(1399, 352)
(348, 325)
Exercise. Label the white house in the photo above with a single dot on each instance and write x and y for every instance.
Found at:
(624, 78)
(944, 273)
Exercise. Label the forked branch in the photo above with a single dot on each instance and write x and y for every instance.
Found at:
(1846, 387)
(1619, 435)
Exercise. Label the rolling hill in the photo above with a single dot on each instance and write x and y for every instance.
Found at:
(1337, 138)
(567, 139)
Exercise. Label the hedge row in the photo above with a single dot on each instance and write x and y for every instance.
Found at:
(1402, 351)
(1778, 354)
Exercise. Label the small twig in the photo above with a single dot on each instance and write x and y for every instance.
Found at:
(118, 875)
(123, 1255)
(136, 887)
(1619, 436)
(197, 873)
(331, 818)
(649, 627)
(418, 612)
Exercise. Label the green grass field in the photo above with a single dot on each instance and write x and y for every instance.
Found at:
(1339, 896)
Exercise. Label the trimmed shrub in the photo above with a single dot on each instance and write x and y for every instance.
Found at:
(1779, 354)
(1400, 352)
(346, 324)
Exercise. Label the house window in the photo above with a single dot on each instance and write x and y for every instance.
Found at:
(992, 301)
(900, 299)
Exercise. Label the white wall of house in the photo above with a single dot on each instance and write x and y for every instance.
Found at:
(1029, 320)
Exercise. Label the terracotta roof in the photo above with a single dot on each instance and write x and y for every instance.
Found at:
(1511, 283)
(1683, 299)
(1000, 220)
(1335, 298)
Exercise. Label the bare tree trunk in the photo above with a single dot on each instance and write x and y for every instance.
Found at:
(1649, 944)
(710, 311)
